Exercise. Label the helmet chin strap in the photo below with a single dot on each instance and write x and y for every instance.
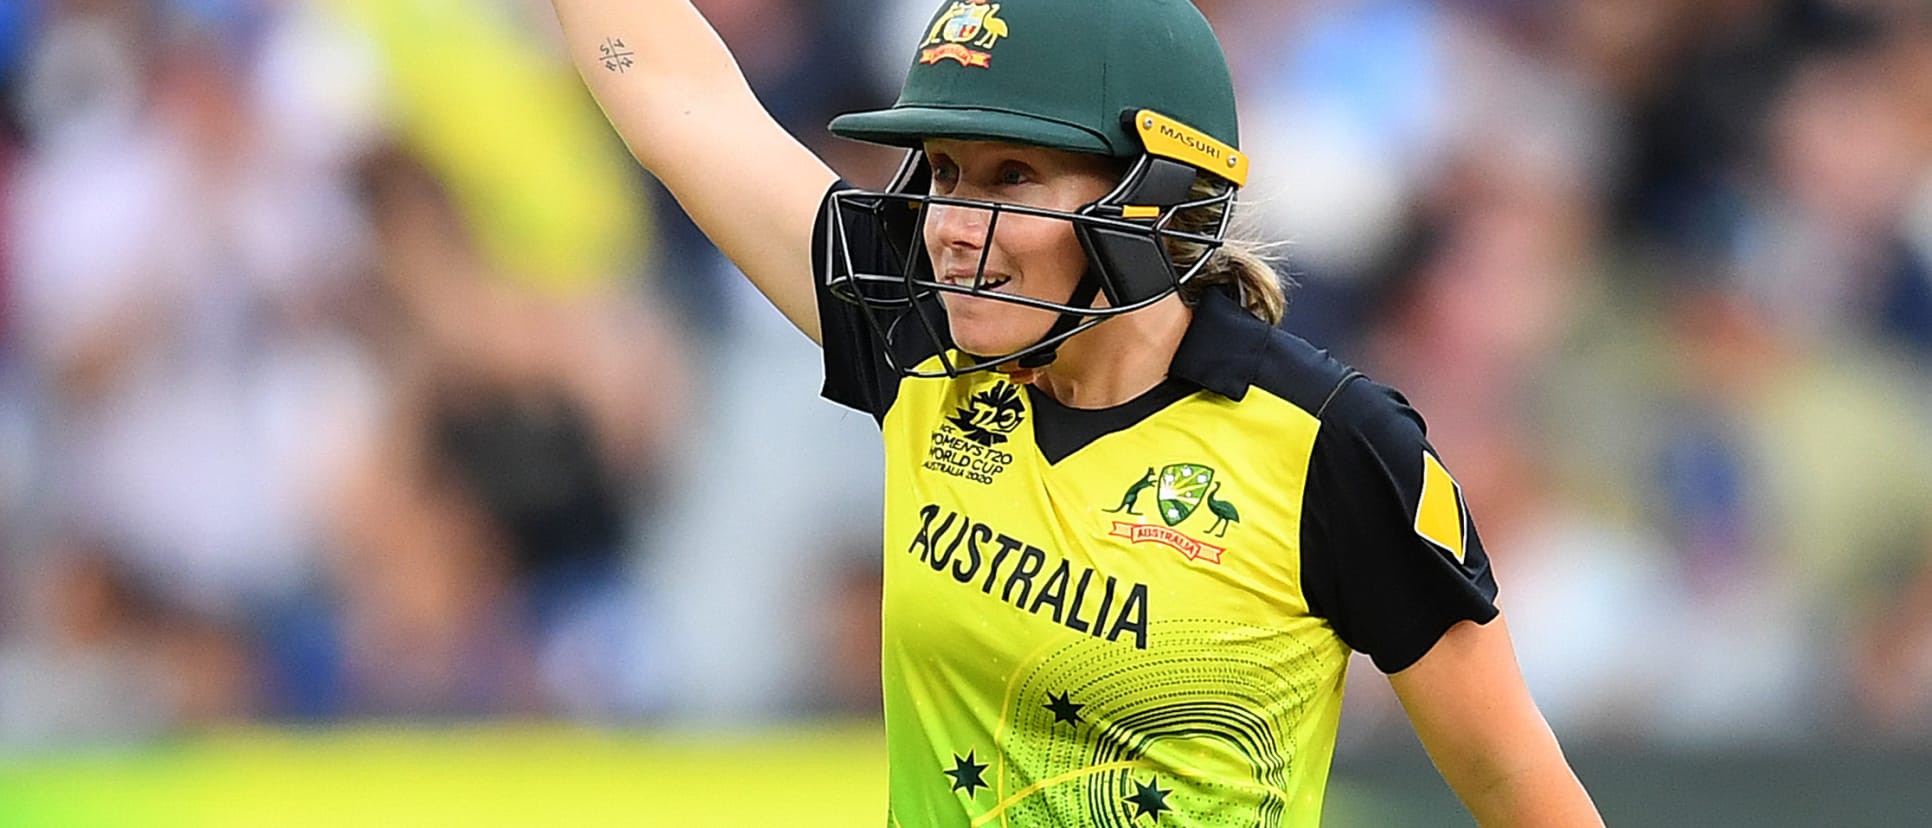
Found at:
(1083, 296)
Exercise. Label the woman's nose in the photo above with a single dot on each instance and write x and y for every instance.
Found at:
(957, 226)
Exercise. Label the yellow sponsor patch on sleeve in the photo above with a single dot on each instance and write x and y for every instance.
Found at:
(1438, 518)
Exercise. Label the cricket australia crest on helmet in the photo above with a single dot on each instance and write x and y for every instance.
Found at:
(959, 28)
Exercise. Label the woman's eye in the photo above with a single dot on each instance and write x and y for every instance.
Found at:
(943, 174)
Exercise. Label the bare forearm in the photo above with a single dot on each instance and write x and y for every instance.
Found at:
(1543, 794)
(667, 83)
(650, 63)
(1468, 703)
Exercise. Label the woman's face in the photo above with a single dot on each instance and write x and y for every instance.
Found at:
(1028, 256)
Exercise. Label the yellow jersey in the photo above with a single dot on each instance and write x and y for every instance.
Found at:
(1142, 615)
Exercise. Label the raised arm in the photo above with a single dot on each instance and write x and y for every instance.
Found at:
(675, 94)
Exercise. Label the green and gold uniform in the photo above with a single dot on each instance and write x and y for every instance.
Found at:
(1142, 615)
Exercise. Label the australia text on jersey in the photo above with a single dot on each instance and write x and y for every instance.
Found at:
(1074, 596)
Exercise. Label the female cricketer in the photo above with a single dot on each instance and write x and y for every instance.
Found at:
(1133, 530)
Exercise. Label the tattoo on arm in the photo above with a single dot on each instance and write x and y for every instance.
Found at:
(616, 56)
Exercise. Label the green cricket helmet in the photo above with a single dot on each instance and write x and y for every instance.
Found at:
(1143, 81)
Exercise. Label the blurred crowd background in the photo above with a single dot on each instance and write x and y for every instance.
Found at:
(351, 371)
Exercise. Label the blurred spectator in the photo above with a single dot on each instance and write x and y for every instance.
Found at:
(193, 306)
(173, 283)
(486, 529)
(1824, 249)
(17, 449)
(78, 664)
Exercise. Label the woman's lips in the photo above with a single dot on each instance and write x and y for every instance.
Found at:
(986, 285)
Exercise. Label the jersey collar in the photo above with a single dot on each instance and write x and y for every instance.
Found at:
(1222, 349)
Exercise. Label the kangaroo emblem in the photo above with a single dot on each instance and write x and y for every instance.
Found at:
(1127, 500)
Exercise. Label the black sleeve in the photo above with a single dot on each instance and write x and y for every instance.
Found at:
(1389, 553)
(857, 374)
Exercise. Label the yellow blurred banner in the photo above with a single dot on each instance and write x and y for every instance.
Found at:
(487, 776)
(549, 191)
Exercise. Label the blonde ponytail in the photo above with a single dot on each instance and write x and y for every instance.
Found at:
(1237, 262)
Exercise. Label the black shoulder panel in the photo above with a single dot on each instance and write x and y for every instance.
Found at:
(1390, 554)
(1292, 369)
